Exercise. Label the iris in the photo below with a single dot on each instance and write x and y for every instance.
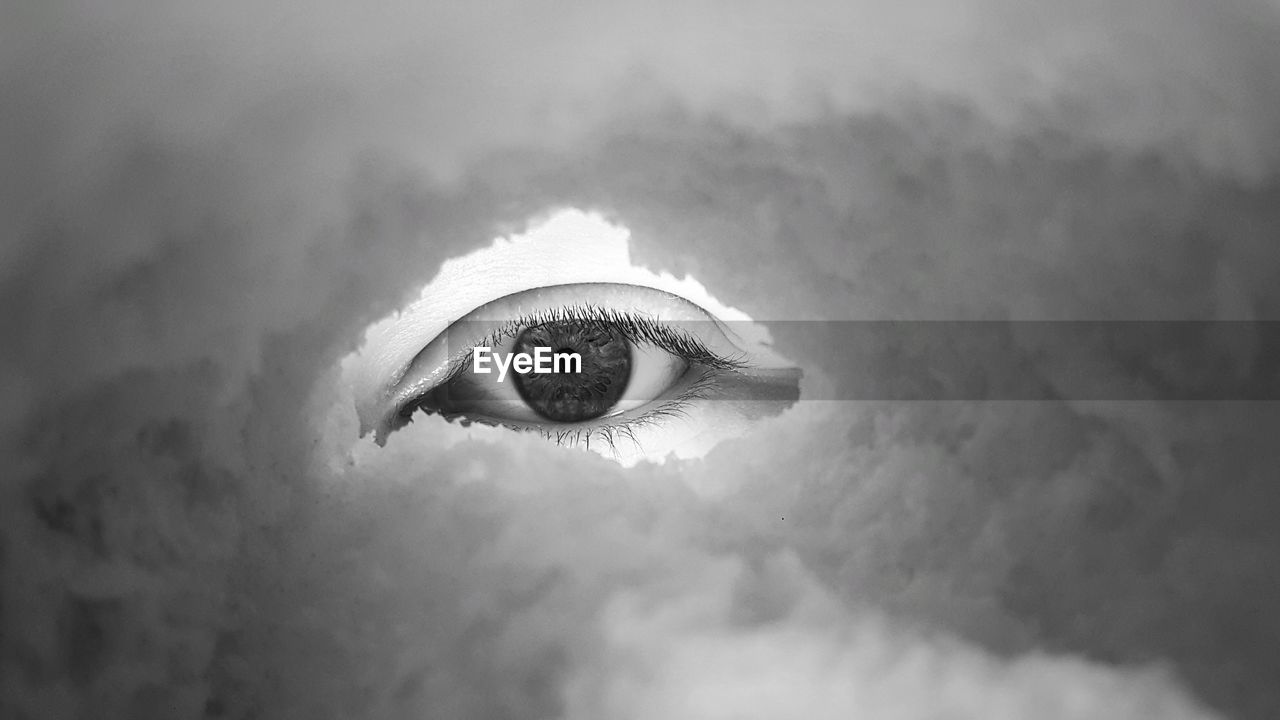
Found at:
(574, 397)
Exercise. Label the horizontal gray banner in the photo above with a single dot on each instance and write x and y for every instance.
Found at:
(990, 360)
(1039, 360)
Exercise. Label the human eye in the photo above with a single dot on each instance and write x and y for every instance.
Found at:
(644, 359)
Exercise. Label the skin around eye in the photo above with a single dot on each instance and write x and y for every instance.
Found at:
(665, 333)
(628, 358)
(690, 377)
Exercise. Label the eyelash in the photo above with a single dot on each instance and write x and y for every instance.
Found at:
(636, 328)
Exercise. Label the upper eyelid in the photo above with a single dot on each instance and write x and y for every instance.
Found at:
(633, 325)
(407, 367)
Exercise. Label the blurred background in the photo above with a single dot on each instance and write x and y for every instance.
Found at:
(204, 206)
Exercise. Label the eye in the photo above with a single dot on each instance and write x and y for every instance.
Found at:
(659, 372)
(575, 362)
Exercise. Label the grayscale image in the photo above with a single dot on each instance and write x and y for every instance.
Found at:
(672, 360)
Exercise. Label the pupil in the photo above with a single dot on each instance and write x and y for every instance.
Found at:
(574, 397)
